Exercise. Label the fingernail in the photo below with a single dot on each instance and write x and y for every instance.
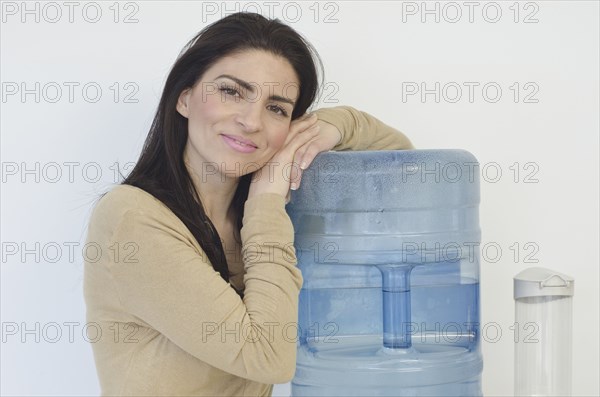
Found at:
(303, 165)
(294, 186)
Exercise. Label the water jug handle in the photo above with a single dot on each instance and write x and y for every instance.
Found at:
(554, 281)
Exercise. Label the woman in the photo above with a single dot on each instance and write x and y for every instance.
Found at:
(197, 283)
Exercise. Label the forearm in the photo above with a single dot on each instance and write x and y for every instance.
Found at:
(361, 131)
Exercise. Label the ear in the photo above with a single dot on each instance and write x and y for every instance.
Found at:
(182, 102)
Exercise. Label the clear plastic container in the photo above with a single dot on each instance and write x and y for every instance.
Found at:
(388, 245)
(543, 316)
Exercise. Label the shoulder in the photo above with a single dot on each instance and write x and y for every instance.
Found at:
(126, 203)
(126, 198)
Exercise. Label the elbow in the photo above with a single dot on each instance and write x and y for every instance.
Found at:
(277, 369)
(286, 361)
(284, 374)
(406, 144)
(281, 375)
(283, 370)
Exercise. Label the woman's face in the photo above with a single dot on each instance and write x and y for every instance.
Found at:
(239, 113)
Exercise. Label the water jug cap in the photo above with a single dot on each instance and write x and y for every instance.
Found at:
(539, 281)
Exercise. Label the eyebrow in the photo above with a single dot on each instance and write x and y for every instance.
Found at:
(250, 88)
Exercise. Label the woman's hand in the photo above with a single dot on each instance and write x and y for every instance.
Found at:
(329, 136)
(283, 171)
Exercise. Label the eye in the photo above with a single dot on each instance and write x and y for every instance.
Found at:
(279, 110)
(229, 90)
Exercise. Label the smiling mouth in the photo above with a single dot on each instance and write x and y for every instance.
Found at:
(241, 143)
(239, 146)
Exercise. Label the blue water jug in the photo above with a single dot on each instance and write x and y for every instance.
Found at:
(388, 244)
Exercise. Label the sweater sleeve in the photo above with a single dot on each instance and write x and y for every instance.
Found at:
(173, 288)
(361, 131)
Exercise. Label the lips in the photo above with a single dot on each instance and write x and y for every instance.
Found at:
(239, 144)
(241, 140)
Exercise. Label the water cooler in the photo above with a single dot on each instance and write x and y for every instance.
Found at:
(388, 245)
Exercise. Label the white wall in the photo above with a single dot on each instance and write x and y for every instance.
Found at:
(373, 53)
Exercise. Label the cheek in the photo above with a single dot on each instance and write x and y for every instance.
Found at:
(206, 107)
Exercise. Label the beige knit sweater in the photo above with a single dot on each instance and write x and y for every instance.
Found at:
(163, 321)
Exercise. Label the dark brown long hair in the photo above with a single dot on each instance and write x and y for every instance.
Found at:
(160, 169)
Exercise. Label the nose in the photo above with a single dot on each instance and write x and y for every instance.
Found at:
(250, 118)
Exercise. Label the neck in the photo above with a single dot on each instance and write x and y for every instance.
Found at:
(216, 193)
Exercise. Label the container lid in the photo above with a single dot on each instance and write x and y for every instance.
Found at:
(388, 206)
(538, 281)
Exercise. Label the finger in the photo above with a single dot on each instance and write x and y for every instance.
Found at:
(296, 169)
(303, 162)
(307, 154)
(299, 128)
(289, 152)
(295, 174)
(295, 177)
(296, 184)
(299, 125)
(301, 154)
(302, 138)
(294, 149)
